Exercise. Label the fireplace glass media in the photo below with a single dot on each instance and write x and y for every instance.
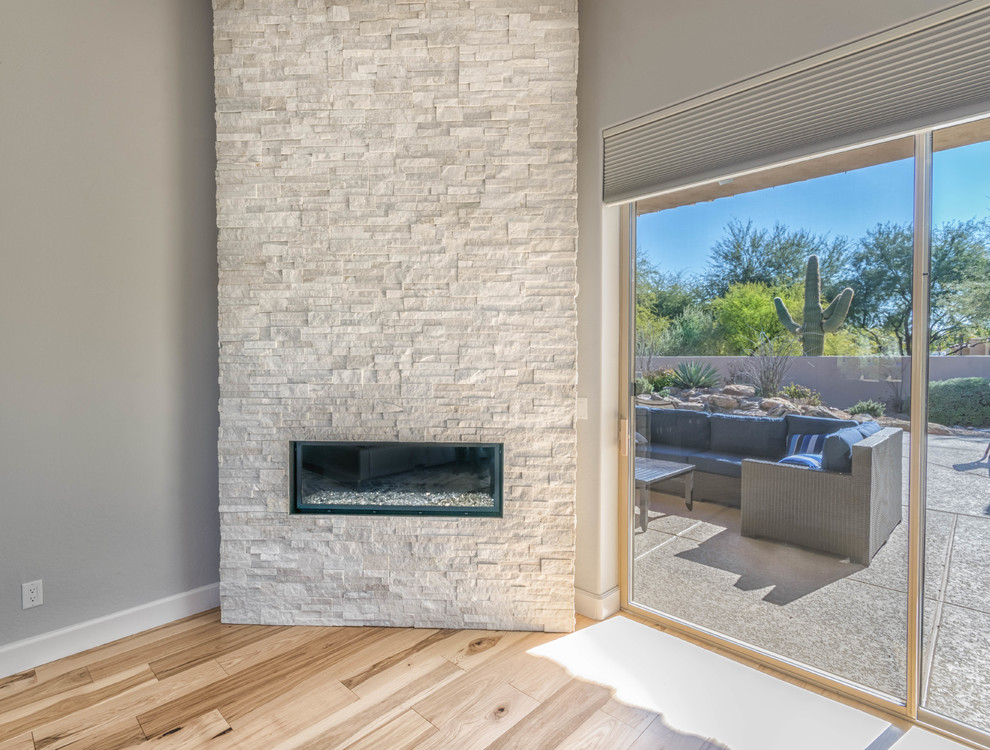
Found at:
(442, 479)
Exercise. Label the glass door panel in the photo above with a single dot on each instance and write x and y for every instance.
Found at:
(772, 358)
(955, 670)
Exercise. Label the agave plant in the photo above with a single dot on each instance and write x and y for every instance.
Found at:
(695, 375)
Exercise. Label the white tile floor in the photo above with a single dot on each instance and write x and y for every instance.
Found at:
(703, 696)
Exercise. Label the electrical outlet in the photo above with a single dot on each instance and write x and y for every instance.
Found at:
(31, 595)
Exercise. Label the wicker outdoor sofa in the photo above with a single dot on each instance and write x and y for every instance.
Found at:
(849, 507)
(847, 514)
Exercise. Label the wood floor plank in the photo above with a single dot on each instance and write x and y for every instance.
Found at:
(144, 640)
(128, 704)
(390, 661)
(555, 719)
(477, 723)
(343, 666)
(78, 699)
(40, 691)
(539, 678)
(396, 640)
(287, 714)
(464, 697)
(413, 662)
(113, 734)
(164, 648)
(377, 708)
(465, 648)
(253, 687)
(196, 733)
(21, 742)
(601, 731)
(512, 665)
(484, 646)
(284, 642)
(407, 731)
(660, 734)
(638, 718)
(15, 683)
(233, 638)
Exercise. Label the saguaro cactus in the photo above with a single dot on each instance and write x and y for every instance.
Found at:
(817, 322)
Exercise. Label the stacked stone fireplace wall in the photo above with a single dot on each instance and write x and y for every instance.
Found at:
(397, 248)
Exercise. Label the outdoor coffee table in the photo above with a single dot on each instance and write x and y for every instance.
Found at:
(650, 471)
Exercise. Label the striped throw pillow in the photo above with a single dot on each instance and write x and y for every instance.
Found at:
(807, 460)
(799, 443)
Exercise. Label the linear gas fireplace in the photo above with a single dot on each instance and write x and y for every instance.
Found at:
(439, 479)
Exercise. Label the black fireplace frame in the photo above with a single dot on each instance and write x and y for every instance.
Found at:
(496, 488)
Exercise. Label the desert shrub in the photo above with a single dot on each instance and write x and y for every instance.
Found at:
(660, 379)
(802, 393)
(655, 382)
(735, 372)
(871, 407)
(695, 375)
(692, 333)
(768, 362)
(963, 401)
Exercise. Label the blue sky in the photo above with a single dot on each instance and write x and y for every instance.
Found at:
(846, 204)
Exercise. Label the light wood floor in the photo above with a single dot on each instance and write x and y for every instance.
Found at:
(198, 683)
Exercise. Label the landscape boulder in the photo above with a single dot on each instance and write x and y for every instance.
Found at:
(739, 390)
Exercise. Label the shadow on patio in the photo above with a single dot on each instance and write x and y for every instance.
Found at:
(790, 572)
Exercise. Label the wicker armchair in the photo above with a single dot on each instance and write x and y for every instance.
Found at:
(847, 514)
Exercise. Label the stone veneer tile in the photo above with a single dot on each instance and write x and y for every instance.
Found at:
(397, 212)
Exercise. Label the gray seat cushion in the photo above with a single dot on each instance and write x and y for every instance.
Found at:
(755, 437)
(666, 452)
(837, 454)
(798, 424)
(714, 462)
(675, 427)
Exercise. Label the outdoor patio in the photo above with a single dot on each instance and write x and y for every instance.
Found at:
(842, 618)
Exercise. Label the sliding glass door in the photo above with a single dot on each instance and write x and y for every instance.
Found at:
(956, 672)
(772, 343)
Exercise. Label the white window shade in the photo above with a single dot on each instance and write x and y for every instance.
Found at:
(916, 76)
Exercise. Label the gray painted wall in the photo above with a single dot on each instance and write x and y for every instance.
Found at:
(639, 56)
(108, 374)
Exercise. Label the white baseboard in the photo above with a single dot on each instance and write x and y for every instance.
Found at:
(596, 606)
(41, 649)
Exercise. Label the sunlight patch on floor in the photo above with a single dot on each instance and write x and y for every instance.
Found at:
(701, 693)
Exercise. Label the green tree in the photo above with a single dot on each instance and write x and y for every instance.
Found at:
(664, 295)
(660, 300)
(881, 275)
(692, 333)
(960, 267)
(970, 303)
(745, 311)
(773, 257)
(649, 335)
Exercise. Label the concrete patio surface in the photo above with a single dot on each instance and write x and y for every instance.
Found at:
(823, 611)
